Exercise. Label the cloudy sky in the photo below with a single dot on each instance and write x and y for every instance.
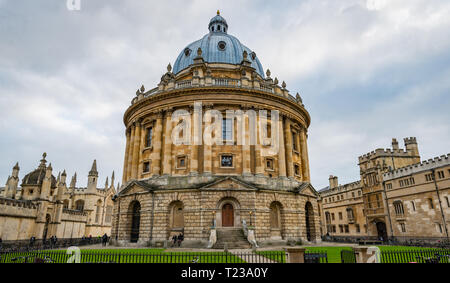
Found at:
(368, 71)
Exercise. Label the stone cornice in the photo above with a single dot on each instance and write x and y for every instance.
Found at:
(187, 93)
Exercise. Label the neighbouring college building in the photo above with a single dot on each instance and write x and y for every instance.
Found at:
(398, 197)
(212, 192)
(42, 205)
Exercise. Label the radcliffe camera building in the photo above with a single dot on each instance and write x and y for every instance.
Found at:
(210, 192)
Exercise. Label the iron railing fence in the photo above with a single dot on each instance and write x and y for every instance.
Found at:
(432, 242)
(39, 244)
(416, 256)
(101, 256)
(316, 257)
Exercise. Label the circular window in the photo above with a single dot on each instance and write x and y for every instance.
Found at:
(222, 45)
(187, 51)
(253, 55)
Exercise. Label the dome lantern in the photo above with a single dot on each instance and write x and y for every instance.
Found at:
(218, 24)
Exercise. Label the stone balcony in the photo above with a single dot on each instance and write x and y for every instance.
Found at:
(267, 86)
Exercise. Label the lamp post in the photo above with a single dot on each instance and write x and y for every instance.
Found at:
(251, 212)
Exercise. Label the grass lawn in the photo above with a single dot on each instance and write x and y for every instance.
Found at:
(334, 253)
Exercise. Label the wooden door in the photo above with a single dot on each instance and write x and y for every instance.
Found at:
(227, 215)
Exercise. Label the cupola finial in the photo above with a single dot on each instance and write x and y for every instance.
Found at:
(218, 12)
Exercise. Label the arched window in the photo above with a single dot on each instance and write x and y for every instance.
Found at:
(98, 211)
(66, 204)
(398, 207)
(275, 215)
(177, 215)
(108, 214)
(350, 215)
(79, 205)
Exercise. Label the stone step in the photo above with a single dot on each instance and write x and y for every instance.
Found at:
(232, 238)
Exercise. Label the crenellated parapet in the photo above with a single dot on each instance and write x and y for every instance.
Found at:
(429, 164)
(341, 188)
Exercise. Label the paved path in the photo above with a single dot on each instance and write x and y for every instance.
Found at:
(249, 256)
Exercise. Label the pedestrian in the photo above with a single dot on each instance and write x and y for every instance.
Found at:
(174, 240)
(180, 239)
(104, 239)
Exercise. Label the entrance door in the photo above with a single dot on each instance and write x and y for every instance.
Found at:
(381, 229)
(227, 215)
(135, 222)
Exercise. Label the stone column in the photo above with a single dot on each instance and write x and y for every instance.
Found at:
(304, 155)
(167, 158)
(281, 150)
(288, 147)
(207, 152)
(130, 152)
(136, 147)
(125, 162)
(246, 170)
(141, 146)
(259, 159)
(157, 145)
(193, 160)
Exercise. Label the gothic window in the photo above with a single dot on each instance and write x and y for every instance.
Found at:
(66, 204)
(398, 207)
(413, 206)
(358, 229)
(79, 205)
(226, 161)
(440, 174)
(98, 211)
(350, 215)
(340, 215)
(108, 214)
(389, 186)
(403, 227)
(429, 177)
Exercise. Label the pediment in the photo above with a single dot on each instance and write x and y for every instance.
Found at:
(229, 183)
(308, 190)
(134, 187)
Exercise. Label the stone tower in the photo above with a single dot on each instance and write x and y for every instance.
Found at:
(93, 178)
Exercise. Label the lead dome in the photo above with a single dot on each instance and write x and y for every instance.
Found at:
(217, 47)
